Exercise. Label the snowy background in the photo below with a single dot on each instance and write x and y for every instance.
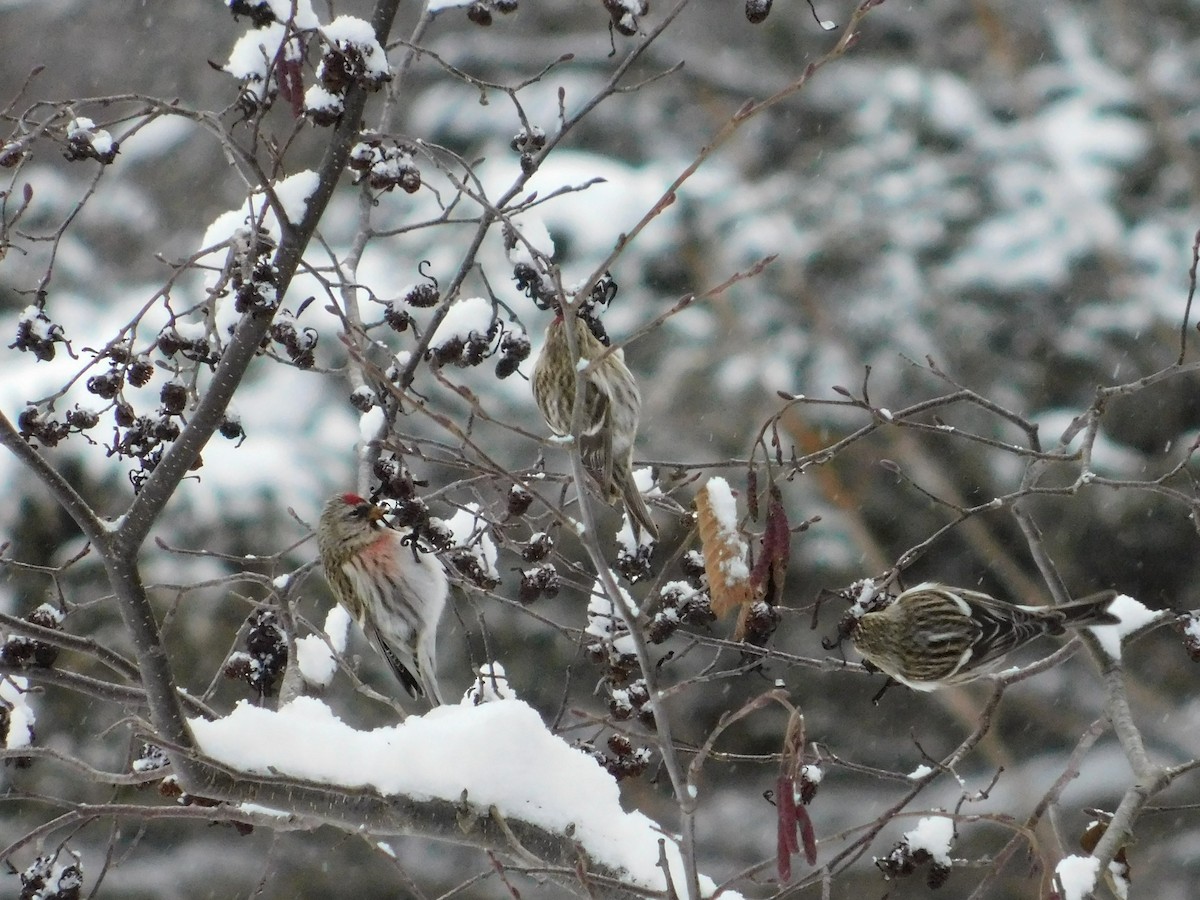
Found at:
(1012, 190)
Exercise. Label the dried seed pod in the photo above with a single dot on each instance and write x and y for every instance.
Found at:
(757, 11)
(538, 548)
(140, 372)
(519, 500)
(174, 397)
(422, 295)
(479, 14)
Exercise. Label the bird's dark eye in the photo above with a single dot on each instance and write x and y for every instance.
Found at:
(360, 511)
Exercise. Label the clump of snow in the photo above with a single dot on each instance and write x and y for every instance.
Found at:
(470, 532)
(237, 231)
(531, 232)
(370, 423)
(362, 397)
(37, 323)
(625, 13)
(491, 684)
(933, 834)
(315, 656)
(319, 100)
(1133, 615)
(864, 592)
(919, 772)
(84, 129)
(316, 662)
(680, 593)
(86, 141)
(1077, 876)
(606, 622)
(14, 694)
(252, 58)
(293, 192)
(724, 508)
(337, 627)
(238, 225)
(48, 615)
(1119, 879)
(494, 754)
(355, 34)
(471, 318)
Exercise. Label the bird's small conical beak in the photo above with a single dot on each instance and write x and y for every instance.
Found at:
(375, 514)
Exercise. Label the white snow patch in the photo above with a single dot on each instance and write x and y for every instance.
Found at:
(337, 627)
(252, 57)
(351, 32)
(932, 834)
(315, 657)
(370, 424)
(317, 664)
(471, 317)
(21, 717)
(1133, 615)
(491, 684)
(724, 508)
(1077, 876)
(535, 233)
(294, 191)
(470, 531)
(500, 754)
(606, 621)
(318, 98)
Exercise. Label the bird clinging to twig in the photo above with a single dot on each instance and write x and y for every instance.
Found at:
(612, 407)
(932, 635)
(395, 591)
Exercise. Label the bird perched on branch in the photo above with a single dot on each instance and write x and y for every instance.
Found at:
(932, 635)
(612, 406)
(395, 590)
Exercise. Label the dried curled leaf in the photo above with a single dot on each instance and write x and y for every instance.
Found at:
(724, 550)
(771, 567)
(1119, 874)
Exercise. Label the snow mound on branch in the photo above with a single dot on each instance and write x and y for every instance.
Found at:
(500, 753)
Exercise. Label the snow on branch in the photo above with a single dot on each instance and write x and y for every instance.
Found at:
(495, 755)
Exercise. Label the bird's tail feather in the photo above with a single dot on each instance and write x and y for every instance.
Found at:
(406, 678)
(639, 514)
(1091, 610)
(427, 669)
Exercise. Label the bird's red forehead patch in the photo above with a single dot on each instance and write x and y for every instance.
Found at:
(353, 499)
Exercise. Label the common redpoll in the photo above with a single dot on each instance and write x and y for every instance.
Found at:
(612, 407)
(394, 589)
(932, 635)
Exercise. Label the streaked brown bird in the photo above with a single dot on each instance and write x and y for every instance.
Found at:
(932, 635)
(395, 591)
(612, 407)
